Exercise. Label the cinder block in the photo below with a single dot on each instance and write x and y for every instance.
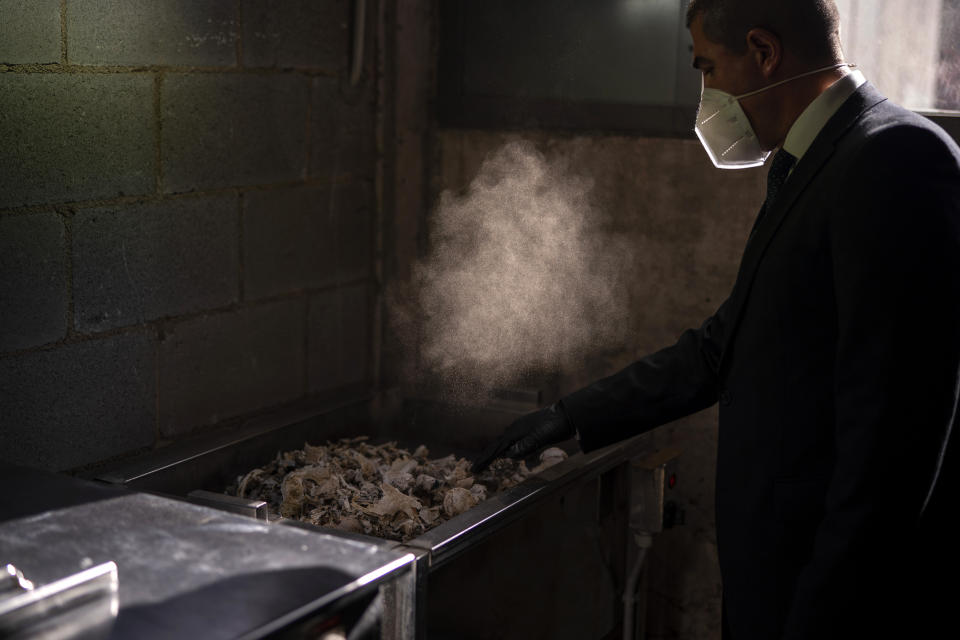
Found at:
(355, 230)
(304, 238)
(70, 137)
(140, 262)
(80, 403)
(228, 364)
(297, 33)
(29, 31)
(342, 132)
(152, 32)
(340, 330)
(33, 281)
(233, 129)
(289, 241)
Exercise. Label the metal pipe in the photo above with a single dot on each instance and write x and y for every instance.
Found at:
(643, 540)
(359, 30)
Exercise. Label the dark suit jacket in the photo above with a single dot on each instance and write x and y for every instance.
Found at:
(835, 361)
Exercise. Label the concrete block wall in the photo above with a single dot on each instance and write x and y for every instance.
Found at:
(187, 218)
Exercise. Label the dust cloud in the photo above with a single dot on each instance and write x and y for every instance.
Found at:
(523, 276)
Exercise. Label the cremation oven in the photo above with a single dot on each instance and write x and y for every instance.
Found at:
(557, 556)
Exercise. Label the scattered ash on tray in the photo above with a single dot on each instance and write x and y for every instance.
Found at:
(379, 490)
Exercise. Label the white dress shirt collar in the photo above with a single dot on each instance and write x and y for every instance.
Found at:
(806, 128)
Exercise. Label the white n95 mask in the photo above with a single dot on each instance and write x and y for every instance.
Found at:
(725, 131)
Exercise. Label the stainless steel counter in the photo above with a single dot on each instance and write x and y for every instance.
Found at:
(186, 569)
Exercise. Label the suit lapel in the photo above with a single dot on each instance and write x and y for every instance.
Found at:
(803, 174)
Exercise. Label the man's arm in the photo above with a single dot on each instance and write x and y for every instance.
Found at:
(895, 242)
(666, 385)
(661, 387)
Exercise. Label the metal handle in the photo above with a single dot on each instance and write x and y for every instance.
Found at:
(13, 582)
(243, 506)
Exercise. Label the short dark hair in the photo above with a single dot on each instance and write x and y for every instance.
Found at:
(809, 29)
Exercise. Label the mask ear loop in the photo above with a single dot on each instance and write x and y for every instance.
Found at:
(802, 75)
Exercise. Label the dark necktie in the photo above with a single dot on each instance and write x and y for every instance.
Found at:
(779, 170)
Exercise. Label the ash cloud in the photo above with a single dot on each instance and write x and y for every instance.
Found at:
(523, 276)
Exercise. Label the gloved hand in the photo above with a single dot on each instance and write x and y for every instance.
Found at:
(527, 434)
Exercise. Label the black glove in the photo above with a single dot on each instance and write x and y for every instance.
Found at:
(527, 434)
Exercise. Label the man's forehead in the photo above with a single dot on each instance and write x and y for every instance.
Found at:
(705, 51)
(702, 50)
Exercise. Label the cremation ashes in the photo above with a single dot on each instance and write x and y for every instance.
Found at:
(379, 490)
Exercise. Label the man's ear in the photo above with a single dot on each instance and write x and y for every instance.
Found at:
(766, 49)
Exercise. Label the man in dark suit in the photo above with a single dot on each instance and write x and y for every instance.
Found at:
(836, 357)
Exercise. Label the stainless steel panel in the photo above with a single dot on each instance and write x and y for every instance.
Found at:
(192, 571)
